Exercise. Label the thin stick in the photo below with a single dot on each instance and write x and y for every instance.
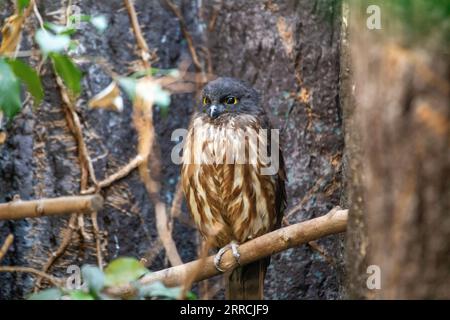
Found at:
(189, 280)
(186, 35)
(47, 207)
(288, 237)
(97, 239)
(86, 167)
(300, 205)
(55, 281)
(38, 15)
(143, 122)
(175, 210)
(61, 249)
(74, 124)
(9, 240)
(142, 44)
(121, 173)
(317, 247)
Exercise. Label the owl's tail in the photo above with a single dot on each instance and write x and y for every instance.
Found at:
(247, 282)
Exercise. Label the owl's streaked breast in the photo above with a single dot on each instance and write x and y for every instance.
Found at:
(227, 200)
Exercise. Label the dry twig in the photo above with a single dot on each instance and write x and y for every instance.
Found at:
(61, 249)
(190, 278)
(9, 240)
(143, 122)
(186, 34)
(53, 280)
(142, 44)
(175, 210)
(87, 170)
(121, 173)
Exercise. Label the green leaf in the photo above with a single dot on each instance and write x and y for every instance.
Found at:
(124, 270)
(159, 290)
(80, 295)
(47, 294)
(94, 278)
(191, 296)
(22, 4)
(129, 86)
(28, 76)
(10, 102)
(68, 71)
(100, 23)
(49, 42)
(59, 29)
(75, 18)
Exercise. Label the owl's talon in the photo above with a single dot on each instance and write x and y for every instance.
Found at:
(218, 257)
(234, 249)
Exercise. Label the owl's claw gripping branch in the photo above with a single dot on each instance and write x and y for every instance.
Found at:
(233, 245)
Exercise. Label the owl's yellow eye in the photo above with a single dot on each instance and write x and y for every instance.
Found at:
(231, 100)
(206, 101)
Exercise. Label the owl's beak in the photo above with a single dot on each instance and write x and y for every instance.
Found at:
(215, 110)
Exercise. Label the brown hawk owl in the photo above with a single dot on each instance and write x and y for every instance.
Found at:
(232, 189)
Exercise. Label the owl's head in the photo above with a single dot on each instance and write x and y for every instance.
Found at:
(229, 96)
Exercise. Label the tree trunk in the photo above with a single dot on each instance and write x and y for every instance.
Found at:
(397, 144)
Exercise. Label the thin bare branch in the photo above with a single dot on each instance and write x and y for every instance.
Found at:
(55, 281)
(61, 249)
(142, 44)
(186, 34)
(121, 173)
(38, 14)
(143, 122)
(74, 124)
(189, 280)
(175, 210)
(97, 239)
(8, 242)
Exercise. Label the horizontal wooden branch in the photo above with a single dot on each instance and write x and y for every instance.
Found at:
(46, 207)
(279, 240)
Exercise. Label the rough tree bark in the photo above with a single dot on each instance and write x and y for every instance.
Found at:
(288, 49)
(397, 141)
